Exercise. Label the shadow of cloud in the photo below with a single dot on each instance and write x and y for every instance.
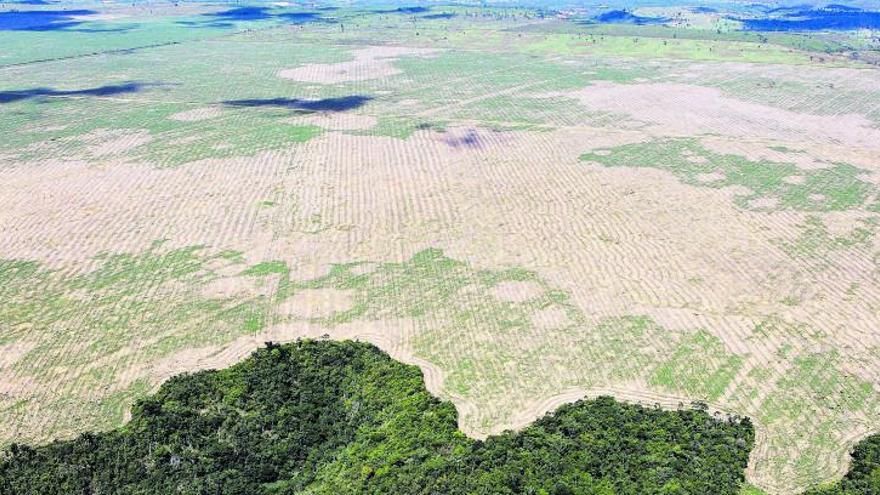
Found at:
(108, 90)
(202, 24)
(626, 17)
(228, 18)
(41, 20)
(120, 29)
(339, 104)
(830, 17)
(447, 15)
(403, 10)
(301, 17)
(470, 139)
(243, 14)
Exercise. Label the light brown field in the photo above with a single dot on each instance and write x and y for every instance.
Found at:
(197, 114)
(613, 239)
(677, 109)
(369, 63)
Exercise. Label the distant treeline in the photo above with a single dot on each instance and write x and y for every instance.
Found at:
(338, 418)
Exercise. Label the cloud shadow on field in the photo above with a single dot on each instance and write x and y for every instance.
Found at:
(120, 29)
(446, 15)
(228, 18)
(200, 24)
(626, 17)
(41, 20)
(403, 10)
(470, 139)
(243, 14)
(52, 20)
(339, 104)
(301, 17)
(803, 18)
(107, 90)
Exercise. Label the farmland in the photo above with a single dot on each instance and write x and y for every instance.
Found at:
(532, 209)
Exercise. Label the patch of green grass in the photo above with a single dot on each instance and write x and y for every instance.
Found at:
(749, 489)
(267, 268)
(460, 380)
(618, 43)
(700, 366)
(56, 126)
(400, 127)
(131, 310)
(815, 241)
(813, 385)
(624, 348)
(272, 268)
(520, 110)
(133, 271)
(491, 348)
(784, 149)
(771, 187)
(797, 41)
(232, 255)
(119, 35)
(490, 90)
(239, 136)
(237, 132)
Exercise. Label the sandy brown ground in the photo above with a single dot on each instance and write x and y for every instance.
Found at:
(197, 114)
(620, 241)
(337, 121)
(317, 303)
(369, 63)
(687, 110)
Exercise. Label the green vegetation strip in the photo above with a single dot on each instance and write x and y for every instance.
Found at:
(771, 185)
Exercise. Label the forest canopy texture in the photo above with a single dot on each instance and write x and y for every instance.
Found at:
(321, 417)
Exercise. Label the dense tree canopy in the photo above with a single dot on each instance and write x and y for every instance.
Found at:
(337, 418)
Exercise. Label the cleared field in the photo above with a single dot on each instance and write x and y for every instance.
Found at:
(529, 215)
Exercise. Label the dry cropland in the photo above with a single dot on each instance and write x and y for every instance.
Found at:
(530, 208)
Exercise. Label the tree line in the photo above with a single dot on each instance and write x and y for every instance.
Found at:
(322, 417)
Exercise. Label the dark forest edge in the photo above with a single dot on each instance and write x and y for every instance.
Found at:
(322, 417)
